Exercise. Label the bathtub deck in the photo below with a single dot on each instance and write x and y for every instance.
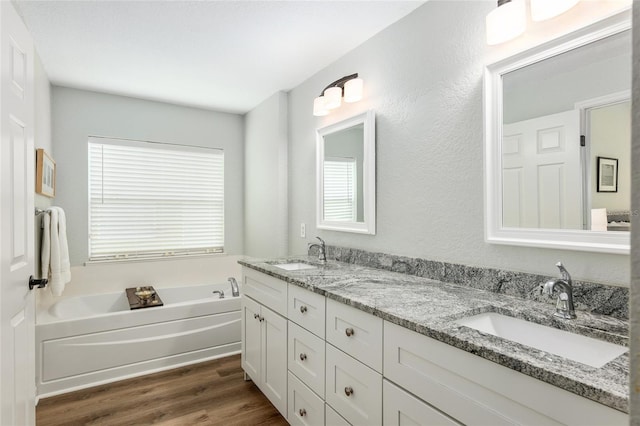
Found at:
(209, 393)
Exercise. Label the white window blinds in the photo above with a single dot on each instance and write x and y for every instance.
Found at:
(339, 189)
(153, 200)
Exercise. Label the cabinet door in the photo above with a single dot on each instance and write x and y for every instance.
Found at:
(266, 290)
(403, 409)
(356, 333)
(353, 389)
(307, 309)
(251, 338)
(305, 407)
(306, 357)
(274, 359)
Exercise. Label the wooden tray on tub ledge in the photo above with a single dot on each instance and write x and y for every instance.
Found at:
(143, 297)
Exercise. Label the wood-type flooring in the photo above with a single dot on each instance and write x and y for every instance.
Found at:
(209, 393)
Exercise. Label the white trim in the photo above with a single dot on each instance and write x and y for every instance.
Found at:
(368, 226)
(495, 233)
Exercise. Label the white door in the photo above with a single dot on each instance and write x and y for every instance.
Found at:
(17, 343)
(251, 338)
(274, 359)
(541, 172)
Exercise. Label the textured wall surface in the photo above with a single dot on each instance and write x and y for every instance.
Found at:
(634, 304)
(78, 114)
(265, 171)
(423, 77)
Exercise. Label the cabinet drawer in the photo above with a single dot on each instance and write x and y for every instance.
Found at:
(402, 408)
(477, 391)
(307, 309)
(355, 332)
(333, 418)
(305, 407)
(265, 289)
(353, 389)
(306, 357)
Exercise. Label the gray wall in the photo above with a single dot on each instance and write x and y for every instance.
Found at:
(634, 308)
(426, 90)
(265, 166)
(78, 114)
(42, 139)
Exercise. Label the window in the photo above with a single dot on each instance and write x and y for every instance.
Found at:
(149, 200)
(339, 189)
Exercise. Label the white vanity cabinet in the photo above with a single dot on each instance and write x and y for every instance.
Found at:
(264, 340)
(320, 361)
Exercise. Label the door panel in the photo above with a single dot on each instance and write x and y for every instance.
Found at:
(542, 176)
(17, 343)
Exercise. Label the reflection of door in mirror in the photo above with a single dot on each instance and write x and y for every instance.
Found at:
(343, 160)
(548, 171)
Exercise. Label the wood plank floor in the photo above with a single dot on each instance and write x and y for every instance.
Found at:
(209, 393)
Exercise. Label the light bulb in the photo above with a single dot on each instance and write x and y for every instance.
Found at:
(506, 22)
(353, 90)
(332, 97)
(318, 107)
(546, 9)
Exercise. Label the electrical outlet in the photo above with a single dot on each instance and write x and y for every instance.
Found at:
(303, 230)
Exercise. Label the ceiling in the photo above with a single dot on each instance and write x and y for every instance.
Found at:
(221, 55)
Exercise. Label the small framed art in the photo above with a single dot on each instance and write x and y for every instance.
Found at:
(45, 174)
(607, 174)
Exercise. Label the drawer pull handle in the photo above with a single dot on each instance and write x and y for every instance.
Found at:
(302, 412)
(348, 391)
(256, 316)
(303, 309)
(261, 319)
(303, 357)
(349, 331)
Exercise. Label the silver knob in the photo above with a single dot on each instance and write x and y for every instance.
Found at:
(349, 332)
(348, 391)
(302, 412)
(303, 357)
(303, 309)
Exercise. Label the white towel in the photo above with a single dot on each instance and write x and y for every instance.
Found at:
(55, 250)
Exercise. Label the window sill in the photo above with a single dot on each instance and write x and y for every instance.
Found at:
(155, 259)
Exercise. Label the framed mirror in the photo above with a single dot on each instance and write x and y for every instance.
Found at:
(346, 175)
(557, 142)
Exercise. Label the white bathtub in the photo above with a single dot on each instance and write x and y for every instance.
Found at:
(83, 341)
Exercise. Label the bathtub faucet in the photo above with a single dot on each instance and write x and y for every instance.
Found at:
(220, 292)
(235, 290)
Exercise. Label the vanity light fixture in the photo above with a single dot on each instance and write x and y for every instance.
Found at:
(547, 9)
(506, 22)
(509, 19)
(349, 87)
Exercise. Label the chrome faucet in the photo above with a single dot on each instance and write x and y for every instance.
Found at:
(220, 292)
(235, 290)
(564, 304)
(322, 249)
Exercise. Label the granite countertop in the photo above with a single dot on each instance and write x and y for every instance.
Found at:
(431, 307)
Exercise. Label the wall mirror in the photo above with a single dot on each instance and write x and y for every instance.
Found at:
(558, 142)
(346, 175)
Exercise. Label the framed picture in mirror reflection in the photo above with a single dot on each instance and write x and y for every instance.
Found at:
(607, 174)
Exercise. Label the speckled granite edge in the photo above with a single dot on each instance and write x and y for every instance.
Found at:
(591, 297)
(430, 307)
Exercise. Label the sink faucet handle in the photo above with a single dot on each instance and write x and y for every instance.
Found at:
(321, 241)
(564, 274)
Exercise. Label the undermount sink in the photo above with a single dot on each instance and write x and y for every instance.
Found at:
(297, 266)
(576, 347)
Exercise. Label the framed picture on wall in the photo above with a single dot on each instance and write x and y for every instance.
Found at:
(45, 174)
(607, 174)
